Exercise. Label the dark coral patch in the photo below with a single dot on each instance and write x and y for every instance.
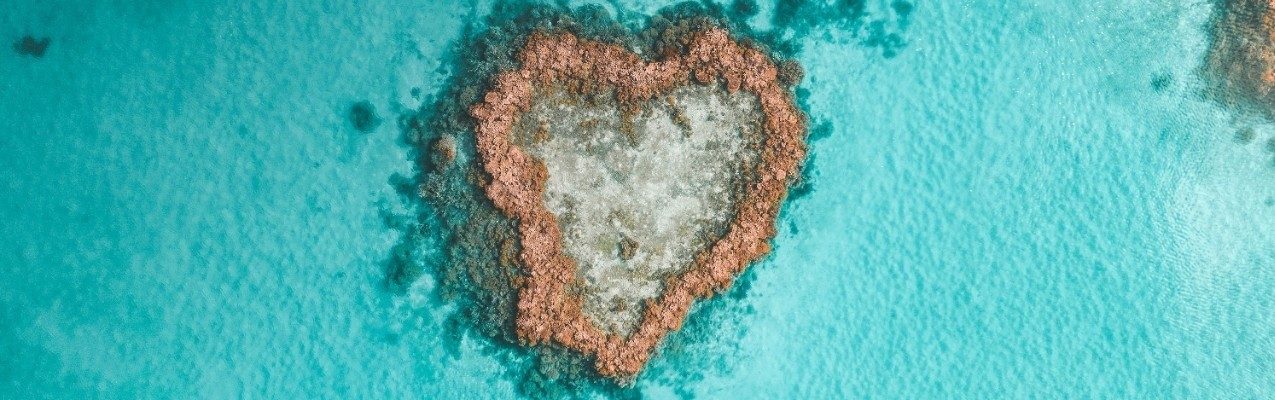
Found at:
(745, 8)
(363, 116)
(30, 46)
(1245, 135)
(1160, 82)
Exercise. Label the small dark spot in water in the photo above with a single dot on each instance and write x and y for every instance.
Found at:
(1160, 82)
(902, 8)
(891, 51)
(803, 94)
(801, 189)
(1270, 201)
(30, 46)
(820, 131)
(879, 35)
(403, 185)
(391, 337)
(363, 116)
(1165, 134)
(745, 8)
(1270, 145)
(885, 33)
(314, 204)
(416, 93)
(1245, 135)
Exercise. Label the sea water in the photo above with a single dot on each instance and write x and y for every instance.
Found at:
(1017, 199)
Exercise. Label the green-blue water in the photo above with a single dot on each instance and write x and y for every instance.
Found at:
(1030, 199)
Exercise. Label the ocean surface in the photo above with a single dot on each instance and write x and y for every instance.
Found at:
(1008, 199)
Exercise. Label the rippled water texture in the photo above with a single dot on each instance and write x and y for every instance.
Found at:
(1003, 199)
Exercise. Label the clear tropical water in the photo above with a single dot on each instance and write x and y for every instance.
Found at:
(1030, 199)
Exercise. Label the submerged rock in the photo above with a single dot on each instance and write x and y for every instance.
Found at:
(30, 46)
(363, 116)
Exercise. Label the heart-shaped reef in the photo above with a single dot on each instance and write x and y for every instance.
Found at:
(636, 186)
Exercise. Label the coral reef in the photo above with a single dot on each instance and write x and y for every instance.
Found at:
(548, 310)
(470, 250)
(1241, 62)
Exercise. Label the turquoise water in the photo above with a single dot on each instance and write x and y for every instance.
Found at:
(1029, 199)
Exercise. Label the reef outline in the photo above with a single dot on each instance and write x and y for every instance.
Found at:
(546, 310)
